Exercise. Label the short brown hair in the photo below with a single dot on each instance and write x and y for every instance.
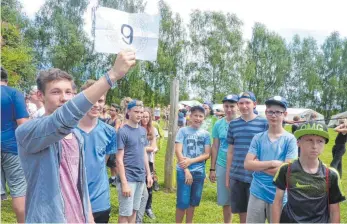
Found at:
(51, 75)
(88, 84)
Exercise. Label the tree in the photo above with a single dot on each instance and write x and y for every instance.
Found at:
(216, 50)
(267, 63)
(304, 78)
(333, 74)
(16, 55)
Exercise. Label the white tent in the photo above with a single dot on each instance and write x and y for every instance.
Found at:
(333, 123)
(303, 113)
(190, 103)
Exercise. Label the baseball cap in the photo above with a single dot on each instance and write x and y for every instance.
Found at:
(208, 103)
(312, 128)
(134, 103)
(277, 100)
(231, 98)
(248, 95)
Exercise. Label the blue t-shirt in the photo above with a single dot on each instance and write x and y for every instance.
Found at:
(220, 131)
(282, 149)
(98, 143)
(13, 107)
(133, 141)
(240, 134)
(194, 142)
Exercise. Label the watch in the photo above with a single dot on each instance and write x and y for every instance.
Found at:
(212, 169)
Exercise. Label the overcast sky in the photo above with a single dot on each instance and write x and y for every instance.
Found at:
(316, 18)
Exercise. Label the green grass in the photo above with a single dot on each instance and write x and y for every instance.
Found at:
(164, 203)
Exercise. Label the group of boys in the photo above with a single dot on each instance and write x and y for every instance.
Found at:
(254, 161)
(63, 153)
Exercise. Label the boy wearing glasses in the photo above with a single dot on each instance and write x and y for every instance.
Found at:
(267, 152)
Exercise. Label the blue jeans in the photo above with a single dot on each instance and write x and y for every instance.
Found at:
(189, 195)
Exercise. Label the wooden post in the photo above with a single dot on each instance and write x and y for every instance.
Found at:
(170, 149)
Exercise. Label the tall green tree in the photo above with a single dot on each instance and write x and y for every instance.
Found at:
(216, 51)
(16, 54)
(267, 63)
(304, 79)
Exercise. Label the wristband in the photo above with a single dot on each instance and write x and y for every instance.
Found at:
(112, 84)
(212, 169)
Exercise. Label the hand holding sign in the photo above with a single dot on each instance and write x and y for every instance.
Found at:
(116, 30)
(124, 61)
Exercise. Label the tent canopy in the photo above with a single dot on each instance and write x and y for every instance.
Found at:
(333, 123)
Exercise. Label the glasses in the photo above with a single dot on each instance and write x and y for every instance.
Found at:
(276, 113)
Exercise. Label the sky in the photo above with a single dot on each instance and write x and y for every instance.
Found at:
(316, 18)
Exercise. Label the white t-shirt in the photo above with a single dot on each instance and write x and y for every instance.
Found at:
(39, 113)
(151, 154)
(157, 112)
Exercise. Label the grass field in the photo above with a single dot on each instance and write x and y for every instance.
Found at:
(164, 203)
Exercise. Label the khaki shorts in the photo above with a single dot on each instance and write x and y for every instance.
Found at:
(12, 174)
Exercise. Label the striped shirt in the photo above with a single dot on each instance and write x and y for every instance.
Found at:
(240, 134)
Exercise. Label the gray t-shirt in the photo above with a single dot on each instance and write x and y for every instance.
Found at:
(133, 141)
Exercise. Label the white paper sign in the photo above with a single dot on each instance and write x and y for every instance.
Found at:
(116, 30)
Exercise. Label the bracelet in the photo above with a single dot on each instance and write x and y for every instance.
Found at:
(212, 169)
(112, 84)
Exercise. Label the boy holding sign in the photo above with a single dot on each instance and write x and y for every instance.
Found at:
(192, 149)
(51, 150)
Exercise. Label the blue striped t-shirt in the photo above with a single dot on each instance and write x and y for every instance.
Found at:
(240, 134)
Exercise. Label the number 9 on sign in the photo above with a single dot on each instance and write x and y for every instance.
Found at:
(128, 39)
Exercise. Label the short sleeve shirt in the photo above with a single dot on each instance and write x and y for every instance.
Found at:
(133, 141)
(219, 131)
(307, 193)
(13, 107)
(240, 134)
(98, 143)
(284, 148)
(194, 142)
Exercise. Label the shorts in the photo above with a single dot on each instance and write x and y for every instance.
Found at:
(102, 216)
(12, 174)
(111, 162)
(128, 204)
(156, 118)
(189, 195)
(239, 193)
(180, 123)
(223, 193)
(258, 211)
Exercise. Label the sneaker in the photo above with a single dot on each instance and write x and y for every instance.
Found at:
(156, 186)
(112, 182)
(150, 213)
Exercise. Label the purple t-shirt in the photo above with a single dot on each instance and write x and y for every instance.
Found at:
(69, 167)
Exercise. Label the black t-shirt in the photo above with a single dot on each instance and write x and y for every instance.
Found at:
(307, 193)
(294, 128)
(341, 139)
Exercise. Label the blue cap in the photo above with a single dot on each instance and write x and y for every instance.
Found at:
(208, 103)
(277, 100)
(231, 98)
(132, 104)
(248, 95)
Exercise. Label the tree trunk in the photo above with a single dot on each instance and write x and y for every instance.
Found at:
(170, 149)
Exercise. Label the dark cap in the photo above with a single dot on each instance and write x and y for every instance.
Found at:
(231, 98)
(248, 95)
(277, 100)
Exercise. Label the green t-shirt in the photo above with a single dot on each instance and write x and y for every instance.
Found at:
(220, 131)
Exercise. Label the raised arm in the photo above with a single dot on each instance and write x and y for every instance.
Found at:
(36, 135)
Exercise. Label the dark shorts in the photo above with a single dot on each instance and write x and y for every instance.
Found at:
(180, 123)
(102, 216)
(111, 162)
(239, 193)
(157, 118)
